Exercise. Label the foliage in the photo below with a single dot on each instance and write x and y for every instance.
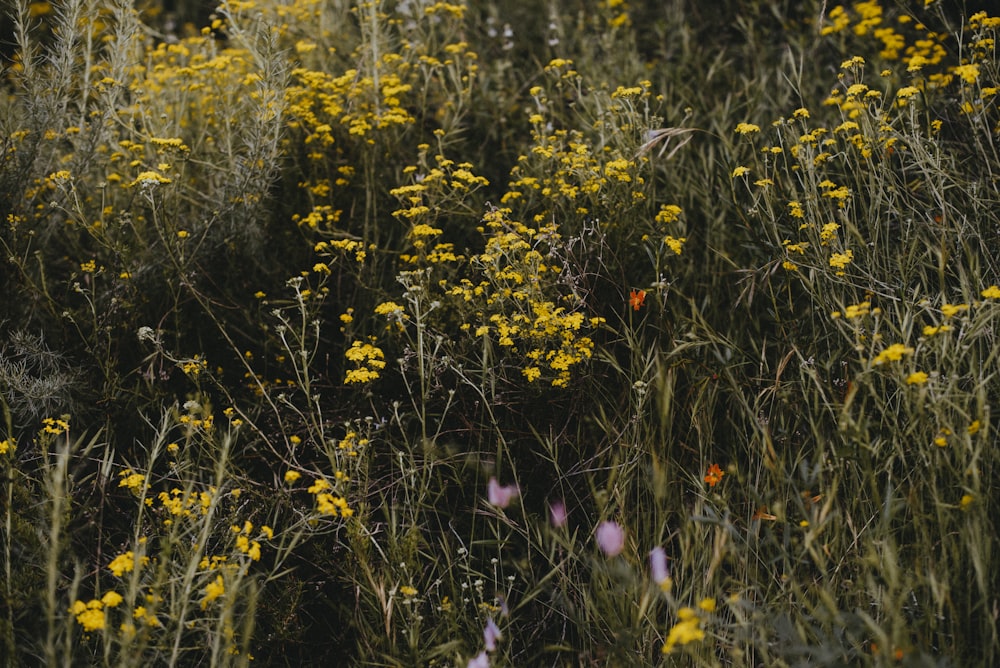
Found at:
(499, 333)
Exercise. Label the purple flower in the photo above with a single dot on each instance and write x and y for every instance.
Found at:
(658, 566)
(490, 635)
(479, 661)
(610, 538)
(500, 495)
(557, 514)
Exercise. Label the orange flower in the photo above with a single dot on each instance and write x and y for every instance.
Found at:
(636, 299)
(714, 475)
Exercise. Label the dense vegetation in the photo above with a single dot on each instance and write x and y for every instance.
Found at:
(584, 332)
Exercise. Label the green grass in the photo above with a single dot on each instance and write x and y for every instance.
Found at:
(333, 332)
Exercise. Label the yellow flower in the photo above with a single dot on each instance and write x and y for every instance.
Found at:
(930, 330)
(149, 179)
(746, 128)
(292, 476)
(407, 590)
(91, 617)
(668, 213)
(968, 73)
(917, 378)
(949, 310)
(213, 590)
(676, 245)
(111, 599)
(132, 480)
(685, 631)
(992, 292)
(893, 353)
(7, 445)
(841, 260)
(123, 563)
(390, 309)
(740, 171)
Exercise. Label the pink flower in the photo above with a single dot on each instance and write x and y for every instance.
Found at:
(500, 495)
(610, 538)
(658, 566)
(557, 514)
(490, 635)
(479, 661)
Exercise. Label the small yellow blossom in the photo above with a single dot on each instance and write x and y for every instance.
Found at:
(841, 260)
(292, 476)
(686, 630)
(746, 128)
(132, 480)
(213, 590)
(931, 330)
(893, 353)
(917, 378)
(740, 171)
(950, 310)
(112, 599)
(89, 615)
(123, 563)
(149, 179)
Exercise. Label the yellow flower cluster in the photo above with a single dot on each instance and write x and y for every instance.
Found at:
(180, 503)
(516, 302)
(55, 426)
(892, 353)
(568, 175)
(359, 103)
(125, 563)
(247, 545)
(328, 503)
(854, 311)
(441, 186)
(214, 590)
(688, 628)
(193, 367)
(90, 614)
(134, 482)
(368, 360)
